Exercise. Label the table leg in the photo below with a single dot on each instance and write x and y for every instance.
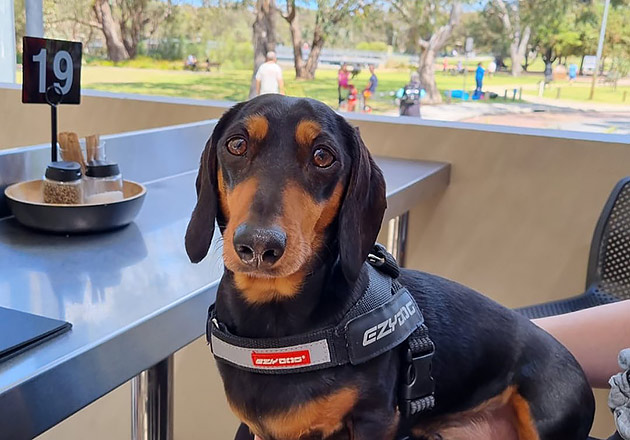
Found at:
(152, 402)
(397, 237)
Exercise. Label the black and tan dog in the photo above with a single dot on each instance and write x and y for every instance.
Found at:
(299, 202)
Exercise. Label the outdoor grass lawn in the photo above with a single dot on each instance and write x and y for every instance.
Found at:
(580, 92)
(233, 85)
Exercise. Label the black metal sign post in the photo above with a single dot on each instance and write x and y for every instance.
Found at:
(51, 75)
(53, 98)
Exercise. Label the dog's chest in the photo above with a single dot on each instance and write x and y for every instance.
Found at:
(285, 407)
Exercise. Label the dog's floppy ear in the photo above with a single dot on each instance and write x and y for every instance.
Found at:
(201, 226)
(362, 210)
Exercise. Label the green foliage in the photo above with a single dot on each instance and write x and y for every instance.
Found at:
(487, 31)
(168, 49)
(140, 62)
(232, 54)
(222, 30)
(372, 46)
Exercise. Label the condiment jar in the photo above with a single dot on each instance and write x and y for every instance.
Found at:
(62, 183)
(102, 182)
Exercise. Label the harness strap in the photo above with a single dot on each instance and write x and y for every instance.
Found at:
(385, 316)
(370, 330)
(417, 387)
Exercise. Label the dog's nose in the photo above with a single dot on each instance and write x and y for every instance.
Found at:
(259, 247)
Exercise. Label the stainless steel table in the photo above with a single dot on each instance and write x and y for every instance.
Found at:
(132, 295)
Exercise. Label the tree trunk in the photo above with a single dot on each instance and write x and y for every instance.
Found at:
(264, 36)
(518, 48)
(427, 76)
(426, 68)
(132, 25)
(296, 39)
(316, 50)
(115, 48)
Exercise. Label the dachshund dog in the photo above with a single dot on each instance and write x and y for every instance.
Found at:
(299, 203)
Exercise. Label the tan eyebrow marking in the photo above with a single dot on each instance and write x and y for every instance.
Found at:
(306, 132)
(257, 126)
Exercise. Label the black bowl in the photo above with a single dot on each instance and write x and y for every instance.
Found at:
(26, 203)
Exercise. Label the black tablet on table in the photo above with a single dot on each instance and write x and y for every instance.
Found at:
(20, 331)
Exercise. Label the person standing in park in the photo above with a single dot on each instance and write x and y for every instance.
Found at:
(573, 69)
(343, 87)
(492, 68)
(410, 97)
(269, 76)
(479, 73)
(370, 89)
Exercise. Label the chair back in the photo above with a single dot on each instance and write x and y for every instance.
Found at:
(608, 275)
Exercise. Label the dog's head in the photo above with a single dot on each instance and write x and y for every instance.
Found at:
(286, 178)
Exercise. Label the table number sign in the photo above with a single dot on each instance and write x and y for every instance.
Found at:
(51, 71)
(51, 75)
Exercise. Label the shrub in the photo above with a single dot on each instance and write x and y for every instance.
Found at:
(372, 46)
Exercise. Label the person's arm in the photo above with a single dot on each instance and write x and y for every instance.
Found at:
(594, 336)
(258, 80)
(280, 81)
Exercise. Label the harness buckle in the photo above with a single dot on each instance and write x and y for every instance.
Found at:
(383, 260)
(375, 260)
(417, 381)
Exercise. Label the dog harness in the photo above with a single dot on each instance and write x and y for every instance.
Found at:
(386, 316)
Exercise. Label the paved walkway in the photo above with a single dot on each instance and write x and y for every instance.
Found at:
(465, 110)
(598, 118)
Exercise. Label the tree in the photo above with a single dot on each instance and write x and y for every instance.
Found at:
(133, 19)
(328, 17)
(548, 21)
(125, 25)
(434, 22)
(264, 30)
(517, 33)
(116, 50)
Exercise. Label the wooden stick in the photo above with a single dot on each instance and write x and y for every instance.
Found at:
(71, 148)
(91, 143)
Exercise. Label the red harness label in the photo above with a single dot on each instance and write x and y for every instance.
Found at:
(281, 359)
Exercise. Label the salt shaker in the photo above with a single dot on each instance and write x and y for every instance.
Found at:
(102, 182)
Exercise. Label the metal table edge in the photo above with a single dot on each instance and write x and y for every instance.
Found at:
(419, 190)
(151, 328)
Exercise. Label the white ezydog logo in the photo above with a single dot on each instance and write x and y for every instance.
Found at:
(388, 326)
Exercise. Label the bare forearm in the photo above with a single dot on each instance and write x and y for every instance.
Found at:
(594, 336)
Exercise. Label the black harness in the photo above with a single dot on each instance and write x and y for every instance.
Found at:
(384, 317)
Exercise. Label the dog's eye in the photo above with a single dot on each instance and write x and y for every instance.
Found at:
(237, 146)
(323, 158)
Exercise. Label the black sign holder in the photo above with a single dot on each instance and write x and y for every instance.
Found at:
(54, 96)
(51, 75)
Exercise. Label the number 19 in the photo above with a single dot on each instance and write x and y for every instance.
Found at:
(62, 68)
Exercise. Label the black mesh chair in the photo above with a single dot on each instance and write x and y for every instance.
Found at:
(608, 276)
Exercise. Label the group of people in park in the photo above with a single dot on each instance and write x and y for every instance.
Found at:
(269, 79)
(349, 94)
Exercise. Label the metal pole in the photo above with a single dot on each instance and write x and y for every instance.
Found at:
(34, 18)
(465, 73)
(152, 402)
(600, 48)
(397, 237)
(7, 42)
(53, 133)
